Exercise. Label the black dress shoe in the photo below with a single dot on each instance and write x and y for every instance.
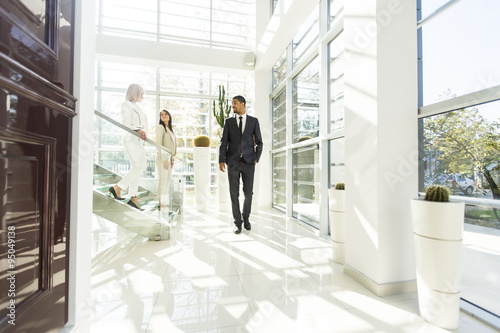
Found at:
(247, 225)
(113, 192)
(132, 204)
(237, 230)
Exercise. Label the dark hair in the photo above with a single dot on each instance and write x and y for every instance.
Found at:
(240, 99)
(169, 125)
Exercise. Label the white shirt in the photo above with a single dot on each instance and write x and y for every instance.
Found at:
(244, 120)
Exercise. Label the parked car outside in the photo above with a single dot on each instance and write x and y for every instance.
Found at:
(457, 182)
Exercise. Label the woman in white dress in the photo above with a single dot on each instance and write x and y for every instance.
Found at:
(164, 161)
(134, 118)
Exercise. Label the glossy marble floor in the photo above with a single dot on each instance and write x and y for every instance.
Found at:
(278, 277)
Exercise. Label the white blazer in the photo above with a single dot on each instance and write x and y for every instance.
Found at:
(133, 117)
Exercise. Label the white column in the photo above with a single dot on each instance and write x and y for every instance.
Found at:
(381, 142)
(201, 160)
(263, 182)
(79, 304)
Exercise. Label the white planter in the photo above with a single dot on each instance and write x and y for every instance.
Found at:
(223, 188)
(201, 157)
(337, 224)
(438, 230)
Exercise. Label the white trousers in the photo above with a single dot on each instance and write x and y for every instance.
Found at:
(164, 180)
(137, 157)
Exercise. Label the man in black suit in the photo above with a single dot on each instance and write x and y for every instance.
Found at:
(241, 153)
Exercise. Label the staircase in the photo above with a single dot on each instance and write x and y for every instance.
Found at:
(151, 223)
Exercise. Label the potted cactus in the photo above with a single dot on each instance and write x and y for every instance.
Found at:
(201, 159)
(437, 233)
(201, 141)
(223, 111)
(220, 114)
(337, 221)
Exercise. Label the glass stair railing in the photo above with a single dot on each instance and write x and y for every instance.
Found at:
(153, 222)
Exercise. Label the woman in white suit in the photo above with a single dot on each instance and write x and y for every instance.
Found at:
(164, 161)
(134, 118)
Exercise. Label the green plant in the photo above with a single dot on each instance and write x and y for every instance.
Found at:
(340, 186)
(224, 108)
(304, 138)
(201, 141)
(437, 193)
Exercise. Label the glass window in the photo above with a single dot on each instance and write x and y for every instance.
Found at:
(458, 52)
(337, 68)
(279, 180)
(189, 117)
(460, 58)
(187, 95)
(429, 6)
(233, 22)
(130, 18)
(279, 120)
(306, 103)
(306, 184)
(279, 70)
(337, 161)
(274, 4)
(189, 21)
(111, 103)
(215, 23)
(184, 82)
(334, 8)
(461, 151)
(118, 75)
(308, 35)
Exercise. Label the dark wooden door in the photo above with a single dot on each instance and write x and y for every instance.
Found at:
(36, 111)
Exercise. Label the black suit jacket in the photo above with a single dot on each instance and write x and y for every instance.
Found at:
(233, 144)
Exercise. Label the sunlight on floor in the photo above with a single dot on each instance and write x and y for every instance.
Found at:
(277, 277)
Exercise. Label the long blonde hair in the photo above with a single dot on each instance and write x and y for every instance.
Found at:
(134, 93)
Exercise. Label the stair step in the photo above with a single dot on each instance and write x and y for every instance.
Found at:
(144, 222)
(104, 189)
(149, 205)
(150, 222)
(103, 175)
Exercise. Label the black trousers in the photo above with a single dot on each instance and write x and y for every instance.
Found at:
(246, 171)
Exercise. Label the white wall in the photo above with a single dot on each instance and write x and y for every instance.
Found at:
(381, 141)
(263, 172)
(79, 310)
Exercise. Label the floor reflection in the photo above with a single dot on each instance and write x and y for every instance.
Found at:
(277, 277)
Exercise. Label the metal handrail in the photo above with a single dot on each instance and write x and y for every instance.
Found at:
(131, 131)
